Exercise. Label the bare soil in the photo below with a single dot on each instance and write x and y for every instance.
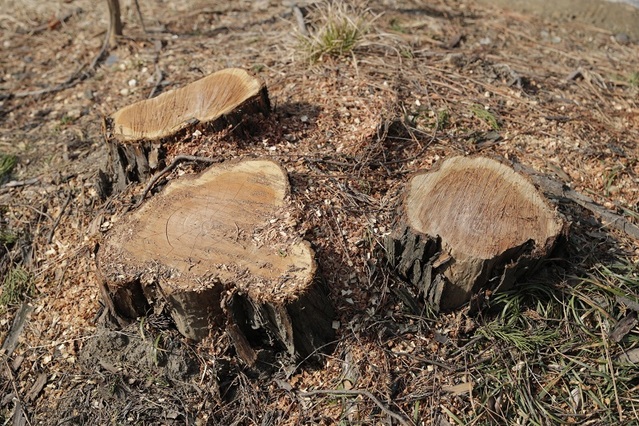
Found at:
(349, 130)
(618, 16)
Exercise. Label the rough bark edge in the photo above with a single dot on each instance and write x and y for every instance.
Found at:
(302, 327)
(139, 295)
(416, 259)
(424, 268)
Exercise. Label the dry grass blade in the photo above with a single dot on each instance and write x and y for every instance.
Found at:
(356, 392)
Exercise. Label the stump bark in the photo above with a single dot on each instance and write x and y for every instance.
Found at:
(139, 133)
(468, 225)
(216, 250)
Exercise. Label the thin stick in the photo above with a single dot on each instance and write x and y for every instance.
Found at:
(361, 392)
(15, 389)
(18, 183)
(177, 160)
(60, 20)
(137, 8)
(57, 221)
(74, 78)
(159, 76)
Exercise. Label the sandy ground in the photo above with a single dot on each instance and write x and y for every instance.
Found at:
(620, 17)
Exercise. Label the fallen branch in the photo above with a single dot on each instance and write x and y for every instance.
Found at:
(345, 392)
(11, 341)
(19, 415)
(557, 189)
(18, 183)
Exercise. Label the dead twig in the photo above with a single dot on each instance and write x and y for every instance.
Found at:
(137, 9)
(159, 76)
(18, 183)
(559, 190)
(358, 392)
(74, 79)
(299, 17)
(79, 75)
(57, 221)
(177, 160)
(19, 404)
(54, 23)
(158, 73)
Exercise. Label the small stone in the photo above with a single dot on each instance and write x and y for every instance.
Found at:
(124, 92)
(622, 38)
(304, 118)
(111, 60)
(133, 82)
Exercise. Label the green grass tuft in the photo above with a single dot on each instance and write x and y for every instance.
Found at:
(16, 286)
(7, 163)
(340, 29)
(485, 115)
(7, 238)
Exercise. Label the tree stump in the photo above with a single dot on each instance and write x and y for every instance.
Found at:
(470, 224)
(138, 133)
(216, 250)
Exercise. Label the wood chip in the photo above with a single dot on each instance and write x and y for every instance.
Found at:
(37, 387)
(460, 389)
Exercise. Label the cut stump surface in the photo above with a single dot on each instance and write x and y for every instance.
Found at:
(138, 131)
(470, 224)
(218, 234)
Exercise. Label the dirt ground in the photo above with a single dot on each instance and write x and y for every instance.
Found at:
(429, 80)
(619, 17)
